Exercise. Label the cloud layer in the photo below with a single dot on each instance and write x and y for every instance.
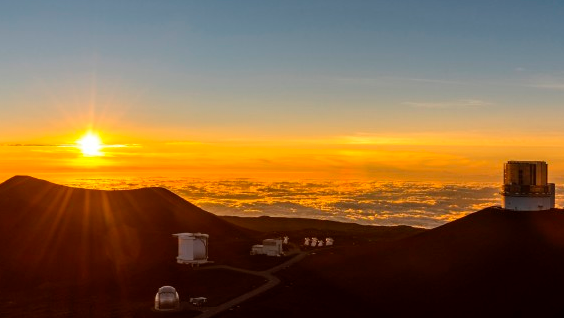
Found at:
(422, 204)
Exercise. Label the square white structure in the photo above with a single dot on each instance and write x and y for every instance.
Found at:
(269, 247)
(192, 248)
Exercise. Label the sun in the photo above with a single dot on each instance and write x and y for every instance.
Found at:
(90, 144)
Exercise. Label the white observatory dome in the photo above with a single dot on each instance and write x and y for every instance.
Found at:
(167, 299)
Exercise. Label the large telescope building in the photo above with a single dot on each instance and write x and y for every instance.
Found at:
(525, 186)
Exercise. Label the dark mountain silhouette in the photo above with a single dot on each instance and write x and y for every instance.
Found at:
(492, 263)
(299, 228)
(281, 224)
(53, 233)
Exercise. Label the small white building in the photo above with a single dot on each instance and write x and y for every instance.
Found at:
(314, 241)
(306, 241)
(192, 248)
(329, 241)
(525, 186)
(269, 247)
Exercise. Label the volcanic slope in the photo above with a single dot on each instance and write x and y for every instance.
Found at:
(54, 233)
(492, 263)
(298, 228)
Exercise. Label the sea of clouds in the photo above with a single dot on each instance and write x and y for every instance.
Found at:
(421, 204)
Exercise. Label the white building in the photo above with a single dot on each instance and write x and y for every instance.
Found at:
(192, 248)
(525, 186)
(314, 241)
(270, 247)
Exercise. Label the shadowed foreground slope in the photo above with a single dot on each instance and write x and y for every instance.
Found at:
(53, 233)
(492, 263)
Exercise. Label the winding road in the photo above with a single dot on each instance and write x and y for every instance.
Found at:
(271, 281)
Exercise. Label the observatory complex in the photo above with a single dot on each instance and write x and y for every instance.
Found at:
(525, 186)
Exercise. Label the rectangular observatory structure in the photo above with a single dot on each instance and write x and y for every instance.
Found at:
(270, 247)
(192, 248)
(525, 186)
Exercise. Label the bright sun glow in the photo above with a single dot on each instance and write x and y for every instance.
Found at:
(90, 144)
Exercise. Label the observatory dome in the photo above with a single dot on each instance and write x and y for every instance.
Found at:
(167, 299)
(525, 186)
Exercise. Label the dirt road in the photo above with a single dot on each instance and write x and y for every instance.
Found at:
(271, 281)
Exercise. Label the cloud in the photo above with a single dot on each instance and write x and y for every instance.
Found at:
(427, 80)
(550, 85)
(459, 104)
(388, 79)
(68, 145)
(184, 143)
(33, 145)
(547, 81)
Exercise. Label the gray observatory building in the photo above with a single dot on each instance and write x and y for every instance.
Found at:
(525, 186)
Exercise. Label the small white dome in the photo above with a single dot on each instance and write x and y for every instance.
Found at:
(167, 299)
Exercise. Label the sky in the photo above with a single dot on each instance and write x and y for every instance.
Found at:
(377, 90)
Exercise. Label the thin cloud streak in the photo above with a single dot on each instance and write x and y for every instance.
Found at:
(550, 86)
(553, 81)
(430, 80)
(459, 104)
(32, 145)
(69, 145)
(387, 79)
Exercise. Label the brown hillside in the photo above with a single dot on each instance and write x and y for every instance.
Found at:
(344, 233)
(55, 233)
(492, 263)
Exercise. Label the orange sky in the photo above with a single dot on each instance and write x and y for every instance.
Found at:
(402, 157)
